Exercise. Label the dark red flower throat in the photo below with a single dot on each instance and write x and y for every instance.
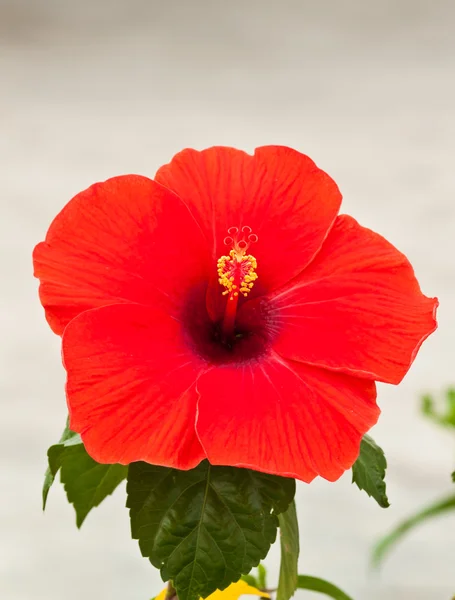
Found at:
(218, 329)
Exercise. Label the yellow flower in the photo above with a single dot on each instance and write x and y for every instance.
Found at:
(233, 592)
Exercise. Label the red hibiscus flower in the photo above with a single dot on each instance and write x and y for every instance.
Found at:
(225, 311)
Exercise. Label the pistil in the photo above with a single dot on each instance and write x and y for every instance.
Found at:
(236, 273)
(230, 313)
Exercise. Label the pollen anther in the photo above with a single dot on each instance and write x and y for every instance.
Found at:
(237, 270)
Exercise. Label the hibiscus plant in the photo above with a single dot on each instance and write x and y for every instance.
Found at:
(223, 327)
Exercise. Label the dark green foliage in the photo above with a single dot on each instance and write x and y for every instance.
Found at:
(368, 472)
(206, 527)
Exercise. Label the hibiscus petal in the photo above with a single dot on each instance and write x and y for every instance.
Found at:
(279, 193)
(127, 239)
(357, 308)
(131, 386)
(284, 418)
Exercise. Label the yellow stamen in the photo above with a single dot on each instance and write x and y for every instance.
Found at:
(237, 272)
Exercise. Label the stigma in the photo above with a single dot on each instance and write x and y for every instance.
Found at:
(237, 270)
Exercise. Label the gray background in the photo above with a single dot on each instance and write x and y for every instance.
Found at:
(94, 89)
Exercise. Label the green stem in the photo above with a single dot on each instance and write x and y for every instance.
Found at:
(306, 582)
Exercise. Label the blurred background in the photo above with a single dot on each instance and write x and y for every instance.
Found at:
(92, 89)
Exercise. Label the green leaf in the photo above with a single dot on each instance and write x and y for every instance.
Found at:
(383, 547)
(315, 584)
(445, 418)
(290, 548)
(368, 471)
(86, 482)
(205, 527)
(453, 476)
(48, 481)
(53, 455)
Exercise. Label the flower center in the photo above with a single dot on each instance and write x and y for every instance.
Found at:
(236, 272)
